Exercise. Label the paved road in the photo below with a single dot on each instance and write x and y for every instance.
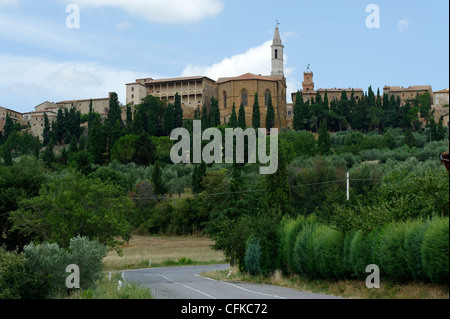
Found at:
(186, 283)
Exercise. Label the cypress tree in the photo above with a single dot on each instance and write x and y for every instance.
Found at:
(129, 119)
(169, 120)
(440, 130)
(233, 122)
(7, 158)
(158, 185)
(298, 111)
(324, 142)
(49, 156)
(278, 196)
(256, 118)
(47, 130)
(97, 141)
(178, 112)
(90, 114)
(197, 178)
(215, 113)
(9, 126)
(73, 148)
(205, 118)
(115, 112)
(241, 119)
(270, 117)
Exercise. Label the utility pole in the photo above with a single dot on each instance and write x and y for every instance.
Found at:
(348, 185)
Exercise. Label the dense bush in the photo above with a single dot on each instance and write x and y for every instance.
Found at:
(253, 257)
(405, 251)
(390, 252)
(18, 280)
(50, 262)
(435, 251)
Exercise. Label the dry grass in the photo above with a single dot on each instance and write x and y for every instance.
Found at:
(352, 289)
(142, 249)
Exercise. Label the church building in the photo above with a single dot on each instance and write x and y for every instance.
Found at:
(244, 88)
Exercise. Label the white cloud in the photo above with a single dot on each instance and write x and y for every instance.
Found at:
(161, 11)
(403, 25)
(32, 80)
(256, 60)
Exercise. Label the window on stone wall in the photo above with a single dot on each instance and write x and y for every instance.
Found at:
(276, 54)
(244, 97)
(266, 98)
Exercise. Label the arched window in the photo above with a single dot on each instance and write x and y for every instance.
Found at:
(276, 53)
(225, 100)
(244, 97)
(266, 98)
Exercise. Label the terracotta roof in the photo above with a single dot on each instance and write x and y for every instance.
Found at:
(77, 101)
(10, 110)
(442, 91)
(411, 88)
(250, 76)
(168, 80)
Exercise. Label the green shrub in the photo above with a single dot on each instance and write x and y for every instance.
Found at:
(18, 280)
(50, 261)
(414, 234)
(359, 254)
(347, 263)
(88, 256)
(390, 252)
(253, 257)
(327, 244)
(435, 251)
(303, 255)
(293, 229)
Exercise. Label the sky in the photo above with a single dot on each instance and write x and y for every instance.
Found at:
(56, 50)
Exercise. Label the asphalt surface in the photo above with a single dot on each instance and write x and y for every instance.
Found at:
(186, 283)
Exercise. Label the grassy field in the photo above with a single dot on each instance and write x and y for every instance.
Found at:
(352, 289)
(163, 251)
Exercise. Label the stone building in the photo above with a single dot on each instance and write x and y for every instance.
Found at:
(35, 121)
(243, 89)
(441, 98)
(195, 91)
(99, 105)
(407, 94)
(309, 92)
(14, 115)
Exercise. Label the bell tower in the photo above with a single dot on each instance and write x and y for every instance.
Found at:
(277, 54)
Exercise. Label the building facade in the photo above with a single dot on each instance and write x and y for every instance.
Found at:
(441, 98)
(15, 116)
(407, 94)
(35, 122)
(243, 90)
(194, 91)
(309, 93)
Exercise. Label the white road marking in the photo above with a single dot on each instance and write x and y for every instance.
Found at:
(245, 289)
(201, 292)
(255, 292)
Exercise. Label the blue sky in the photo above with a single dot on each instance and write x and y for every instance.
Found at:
(119, 41)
